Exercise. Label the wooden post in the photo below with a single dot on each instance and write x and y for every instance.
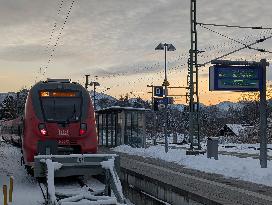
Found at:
(10, 188)
(5, 193)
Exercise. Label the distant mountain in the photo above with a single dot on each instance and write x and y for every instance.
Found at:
(179, 107)
(222, 106)
(99, 96)
(132, 100)
(225, 106)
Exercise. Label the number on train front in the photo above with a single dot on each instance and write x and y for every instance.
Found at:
(80, 159)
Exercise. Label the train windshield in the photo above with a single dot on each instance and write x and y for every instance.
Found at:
(61, 108)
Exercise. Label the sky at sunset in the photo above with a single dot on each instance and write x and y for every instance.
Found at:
(115, 40)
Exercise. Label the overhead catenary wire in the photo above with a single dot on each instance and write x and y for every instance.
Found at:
(246, 38)
(170, 70)
(55, 25)
(234, 40)
(234, 26)
(246, 44)
(58, 37)
(239, 49)
(47, 49)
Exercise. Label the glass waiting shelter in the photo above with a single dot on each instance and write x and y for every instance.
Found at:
(121, 125)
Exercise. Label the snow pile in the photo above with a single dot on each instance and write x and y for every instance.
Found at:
(87, 199)
(50, 180)
(57, 166)
(51, 168)
(246, 169)
(109, 164)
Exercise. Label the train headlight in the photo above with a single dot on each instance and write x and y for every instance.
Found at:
(43, 129)
(83, 128)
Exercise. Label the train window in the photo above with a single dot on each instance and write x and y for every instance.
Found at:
(61, 109)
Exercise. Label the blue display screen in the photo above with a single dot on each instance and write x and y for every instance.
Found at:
(237, 78)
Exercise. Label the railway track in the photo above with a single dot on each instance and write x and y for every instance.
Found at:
(77, 190)
(59, 186)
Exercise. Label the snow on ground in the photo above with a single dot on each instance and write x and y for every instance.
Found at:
(26, 189)
(244, 148)
(233, 147)
(246, 169)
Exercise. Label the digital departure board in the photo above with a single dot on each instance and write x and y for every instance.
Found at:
(235, 78)
(57, 94)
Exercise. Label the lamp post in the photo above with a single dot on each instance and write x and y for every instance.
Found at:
(94, 83)
(152, 96)
(166, 47)
(86, 81)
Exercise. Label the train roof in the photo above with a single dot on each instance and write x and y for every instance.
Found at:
(57, 84)
(50, 80)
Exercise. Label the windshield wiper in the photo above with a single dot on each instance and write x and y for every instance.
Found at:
(73, 115)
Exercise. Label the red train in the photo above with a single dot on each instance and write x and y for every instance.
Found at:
(61, 112)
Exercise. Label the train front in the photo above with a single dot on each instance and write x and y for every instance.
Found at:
(59, 119)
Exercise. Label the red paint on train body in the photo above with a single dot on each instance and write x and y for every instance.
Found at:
(62, 112)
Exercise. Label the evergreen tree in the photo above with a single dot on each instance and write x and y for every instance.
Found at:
(21, 100)
(8, 108)
(105, 102)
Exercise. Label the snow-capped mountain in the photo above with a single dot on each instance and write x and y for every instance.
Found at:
(179, 107)
(99, 96)
(225, 106)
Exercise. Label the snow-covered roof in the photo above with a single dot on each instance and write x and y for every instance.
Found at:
(236, 128)
(122, 108)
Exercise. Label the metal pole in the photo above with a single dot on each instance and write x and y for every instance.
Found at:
(94, 97)
(152, 96)
(191, 85)
(193, 81)
(166, 104)
(87, 81)
(165, 75)
(152, 99)
(263, 117)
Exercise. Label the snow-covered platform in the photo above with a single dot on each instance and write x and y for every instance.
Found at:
(224, 181)
(26, 189)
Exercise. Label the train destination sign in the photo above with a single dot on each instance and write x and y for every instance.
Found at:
(235, 78)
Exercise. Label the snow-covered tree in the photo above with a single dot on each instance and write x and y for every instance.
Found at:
(21, 100)
(104, 102)
(8, 108)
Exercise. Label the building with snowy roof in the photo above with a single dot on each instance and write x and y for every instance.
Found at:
(234, 132)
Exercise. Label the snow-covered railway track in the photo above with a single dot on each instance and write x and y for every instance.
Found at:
(78, 190)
